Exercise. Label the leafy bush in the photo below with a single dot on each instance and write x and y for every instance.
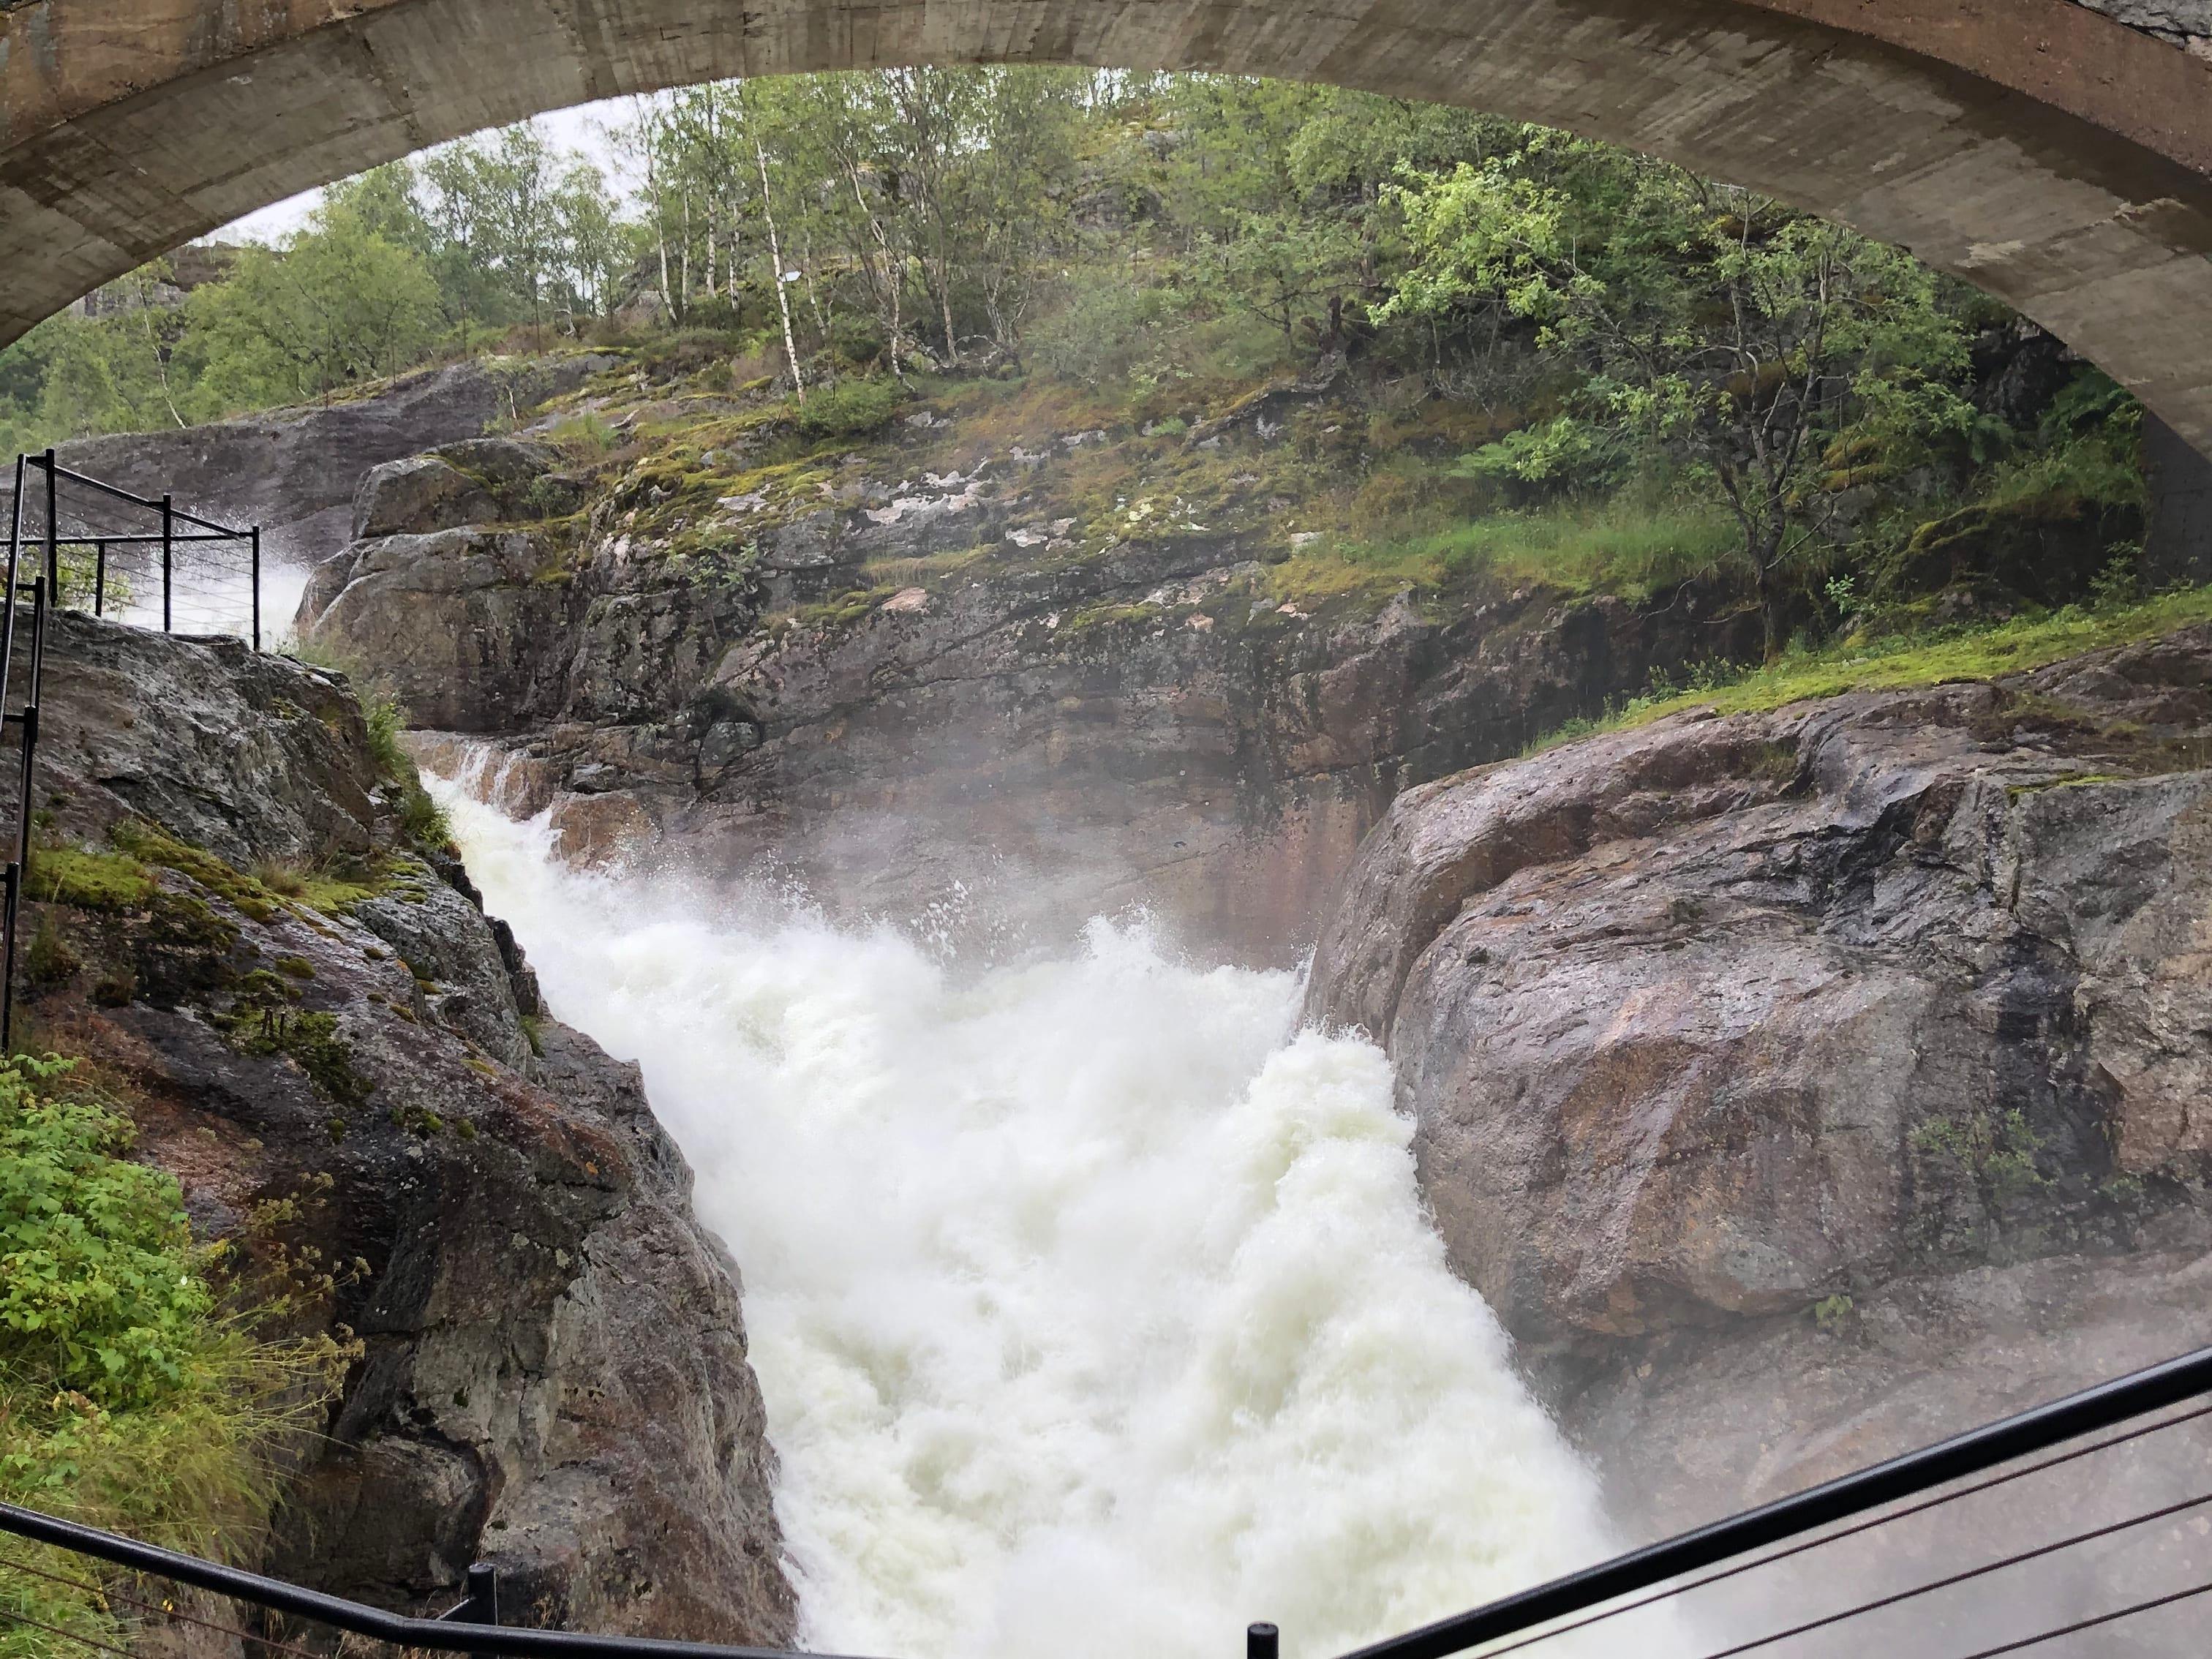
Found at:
(128, 1396)
(849, 409)
(99, 1288)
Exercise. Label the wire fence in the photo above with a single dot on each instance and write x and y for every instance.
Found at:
(2081, 1528)
(136, 559)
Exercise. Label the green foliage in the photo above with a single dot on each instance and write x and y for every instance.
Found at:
(130, 1397)
(339, 304)
(100, 1289)
(1692, 323)
(1936, 657)
(386, 721)
(849, 409)
(423, 821)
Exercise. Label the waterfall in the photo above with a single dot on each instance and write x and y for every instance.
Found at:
(1094, 1305)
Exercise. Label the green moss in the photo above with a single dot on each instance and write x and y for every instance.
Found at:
(154, 845)
(87, 880)
(843, 610)
(261, 1020)
(295, 966)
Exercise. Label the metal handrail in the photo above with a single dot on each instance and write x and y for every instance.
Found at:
(1971, 1453)
(439, 1635)
(55, 468)
(167, 538)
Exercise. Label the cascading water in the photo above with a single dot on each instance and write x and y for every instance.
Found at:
(1094, 1305)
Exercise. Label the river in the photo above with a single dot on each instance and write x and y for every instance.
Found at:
(1095, 1303)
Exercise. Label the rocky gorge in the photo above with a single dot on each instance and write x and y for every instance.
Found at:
(1795, 1085)
(346, 1065)
(1012, 680)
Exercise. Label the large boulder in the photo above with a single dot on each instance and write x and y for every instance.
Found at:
(1798, 1086)
(466, 627)
(478, 481)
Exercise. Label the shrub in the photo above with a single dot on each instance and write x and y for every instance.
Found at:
(1108, 331)
(849, 409)
(128, 1396)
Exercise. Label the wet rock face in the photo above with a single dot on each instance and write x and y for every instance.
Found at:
(2186, 23)
(344, 1062)
(1004, 753)
(294, 472)
(1799, 1086)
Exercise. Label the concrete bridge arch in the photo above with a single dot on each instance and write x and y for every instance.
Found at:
(2052, 156)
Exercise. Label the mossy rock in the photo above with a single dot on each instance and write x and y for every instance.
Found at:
(87, 880)
(2045, 547)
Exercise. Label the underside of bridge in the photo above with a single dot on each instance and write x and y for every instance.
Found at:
(2057, 159)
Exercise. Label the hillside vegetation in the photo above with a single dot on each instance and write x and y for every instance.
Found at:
(1496, 356)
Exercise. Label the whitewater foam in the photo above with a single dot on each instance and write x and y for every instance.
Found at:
(1095, 1305)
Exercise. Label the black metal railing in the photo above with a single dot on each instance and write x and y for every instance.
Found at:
(137, 558)
(216, 590)
(2097, 1422)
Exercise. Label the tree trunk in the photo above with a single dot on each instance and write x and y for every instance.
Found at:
(783, 292)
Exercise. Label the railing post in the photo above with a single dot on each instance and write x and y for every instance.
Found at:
(100, 579)
(19, 866)
(1262, 1642)
(12, 878)
(53, 529)
(169, 549)
(481, 1606)
(257, 599)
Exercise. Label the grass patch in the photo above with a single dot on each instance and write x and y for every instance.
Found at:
(921, 572)
(1622, 547)
(1899, 663)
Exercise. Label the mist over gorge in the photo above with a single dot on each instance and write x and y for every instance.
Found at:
(1305, 952)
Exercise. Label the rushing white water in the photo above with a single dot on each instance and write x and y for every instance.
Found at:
(1095, 1305)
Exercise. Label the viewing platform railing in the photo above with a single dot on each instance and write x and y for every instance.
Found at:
(2095, 1423)
(205, 575)
(52, 511)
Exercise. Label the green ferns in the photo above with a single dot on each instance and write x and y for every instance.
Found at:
(130, 1396)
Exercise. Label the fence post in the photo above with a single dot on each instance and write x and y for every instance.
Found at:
(100, 579)
(19, 866)
(1262, 1642)
(169, 549)
(482, 1604)
(257, 601)
(53, 531)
